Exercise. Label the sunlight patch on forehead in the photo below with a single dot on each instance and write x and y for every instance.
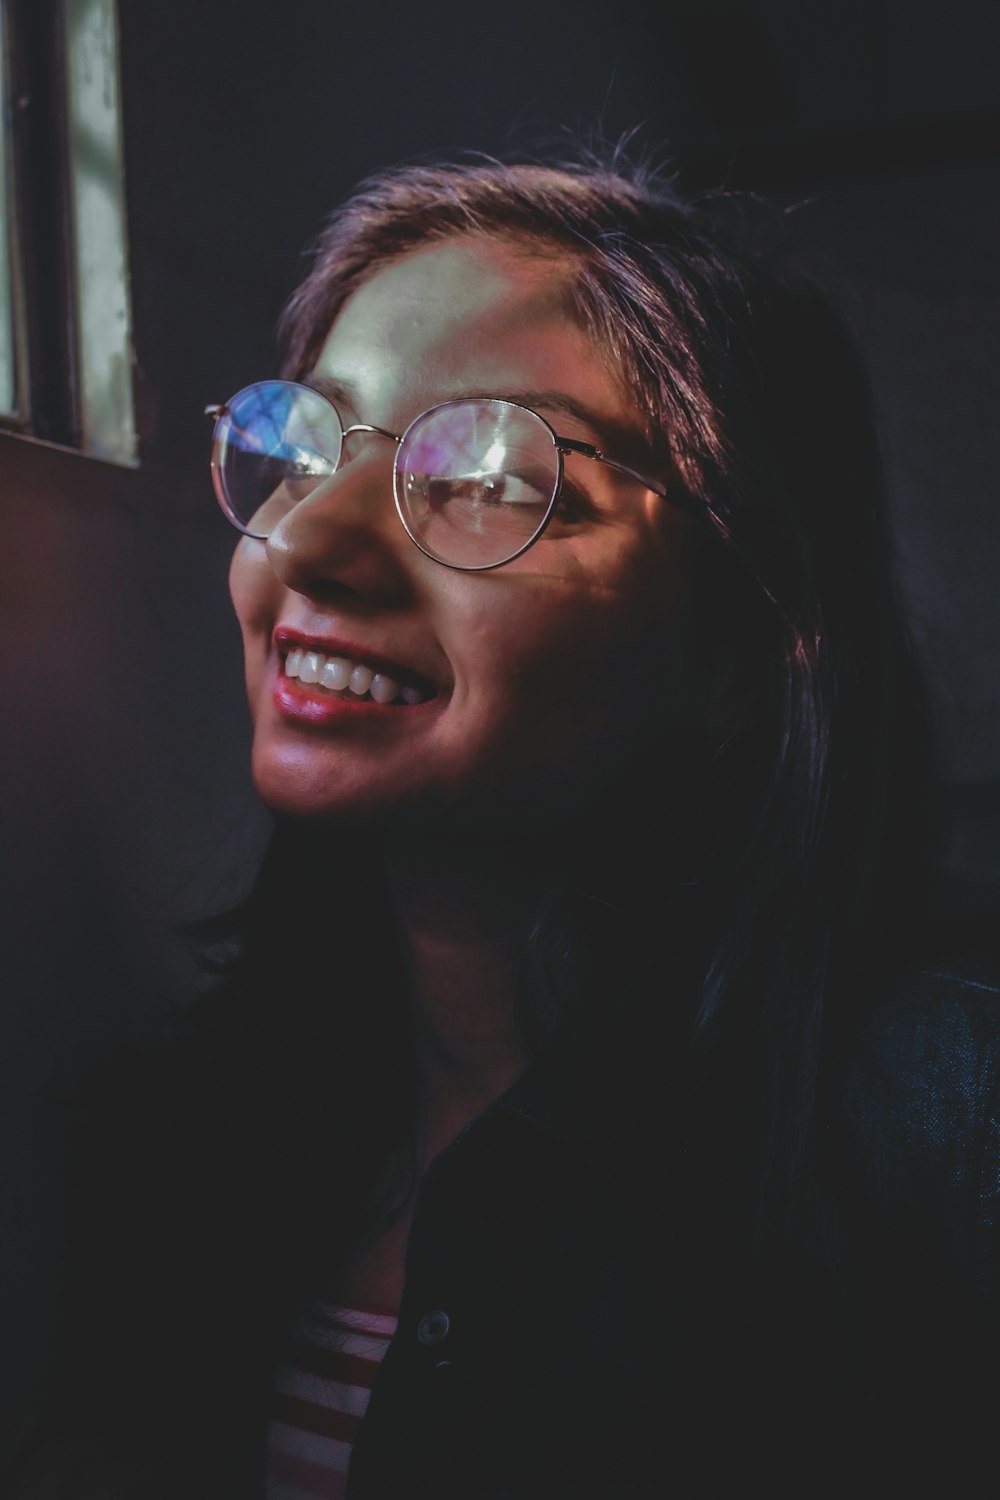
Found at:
(471, 314)
(466, 275)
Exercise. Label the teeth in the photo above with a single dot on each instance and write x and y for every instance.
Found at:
(361, 680)
(383, 689)
(311, 667)
(337, 674)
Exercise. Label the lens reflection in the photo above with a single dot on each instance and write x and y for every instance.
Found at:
(276, 442)
(475, 481)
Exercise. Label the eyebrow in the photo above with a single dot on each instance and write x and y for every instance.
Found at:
(552, 401)
(334, 390)
(608, 433)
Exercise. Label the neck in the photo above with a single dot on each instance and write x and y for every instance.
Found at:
(459, 906)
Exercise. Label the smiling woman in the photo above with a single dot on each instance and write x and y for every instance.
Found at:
(586, 1111)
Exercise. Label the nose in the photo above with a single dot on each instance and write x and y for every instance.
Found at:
(346, 534)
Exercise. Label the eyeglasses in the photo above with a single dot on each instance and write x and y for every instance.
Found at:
(476, 480)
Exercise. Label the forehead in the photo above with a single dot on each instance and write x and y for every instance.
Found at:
(474, 314)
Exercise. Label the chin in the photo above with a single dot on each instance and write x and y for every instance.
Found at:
(299, 788)
(294, 788)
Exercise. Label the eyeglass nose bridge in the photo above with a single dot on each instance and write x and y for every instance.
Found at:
(346, 432)
(369, 427)
(337, 468)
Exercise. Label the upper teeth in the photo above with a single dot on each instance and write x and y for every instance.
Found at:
(338, 674)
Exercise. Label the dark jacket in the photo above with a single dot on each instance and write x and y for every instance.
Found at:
(556, 1339)
(553, 1339)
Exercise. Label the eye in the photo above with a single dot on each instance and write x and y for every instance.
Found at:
(300, 470)
(487, 491)
(575, 505)
(481, 488)
(303, 463)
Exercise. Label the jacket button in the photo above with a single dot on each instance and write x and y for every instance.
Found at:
(433, 1327)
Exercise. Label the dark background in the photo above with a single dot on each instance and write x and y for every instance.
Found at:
(125, 798)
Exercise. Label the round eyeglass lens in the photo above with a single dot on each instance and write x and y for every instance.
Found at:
(475, 480)
(273, 444)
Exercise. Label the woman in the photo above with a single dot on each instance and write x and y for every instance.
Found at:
(580, 1071)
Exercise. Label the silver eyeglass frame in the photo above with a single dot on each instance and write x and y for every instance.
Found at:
(562, 446)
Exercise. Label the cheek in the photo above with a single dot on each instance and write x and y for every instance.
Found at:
(252, 588)
(571, 679)
(628, 639)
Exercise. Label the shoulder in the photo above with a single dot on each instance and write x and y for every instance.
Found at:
(928, 1045)
(920, 1091)
(917, 1188)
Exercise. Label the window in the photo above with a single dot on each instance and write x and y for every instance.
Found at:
(65, 314)
(10, 342)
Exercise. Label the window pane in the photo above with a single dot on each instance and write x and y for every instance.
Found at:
(100, 271)
(8, 361)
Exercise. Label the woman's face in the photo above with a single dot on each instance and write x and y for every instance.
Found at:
(541, 684)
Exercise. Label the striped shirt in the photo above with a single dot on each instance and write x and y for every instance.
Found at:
(320, 1394)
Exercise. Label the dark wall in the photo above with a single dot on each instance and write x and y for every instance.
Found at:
(871, 121)
(125, 796)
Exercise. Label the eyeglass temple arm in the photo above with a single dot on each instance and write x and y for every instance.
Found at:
(677, 497)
